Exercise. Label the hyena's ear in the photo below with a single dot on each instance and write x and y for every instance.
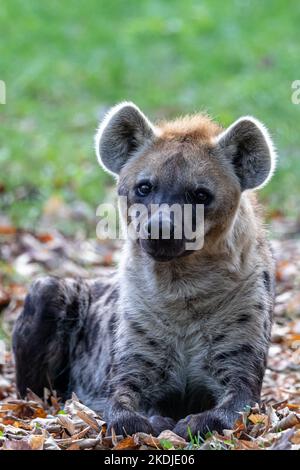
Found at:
(248, 146)
(124, 130)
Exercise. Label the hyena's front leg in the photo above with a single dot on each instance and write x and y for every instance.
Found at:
(134, 383)
(122, 413)
(240, 371)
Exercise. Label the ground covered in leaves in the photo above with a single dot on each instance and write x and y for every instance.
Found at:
(48, 424)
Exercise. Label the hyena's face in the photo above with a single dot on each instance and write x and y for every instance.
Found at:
(171, 174)
(183, 165)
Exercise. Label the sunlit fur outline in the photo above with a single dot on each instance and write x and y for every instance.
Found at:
(105, 122)
(262, 128)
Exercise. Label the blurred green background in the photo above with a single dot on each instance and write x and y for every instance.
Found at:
(65, 63)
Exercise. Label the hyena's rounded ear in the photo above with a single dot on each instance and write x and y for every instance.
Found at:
(122, 132)
(248, 146)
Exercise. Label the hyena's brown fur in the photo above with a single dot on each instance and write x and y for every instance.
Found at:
(182, 342)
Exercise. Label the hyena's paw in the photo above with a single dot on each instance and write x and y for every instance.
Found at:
(202, 423)
(161, 423)
(128, 423)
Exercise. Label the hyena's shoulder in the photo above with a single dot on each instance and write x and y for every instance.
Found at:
(98, 325)
(104, 300)
(105, 289)
(263, 253)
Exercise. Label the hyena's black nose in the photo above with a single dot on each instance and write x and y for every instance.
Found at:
(160, 227)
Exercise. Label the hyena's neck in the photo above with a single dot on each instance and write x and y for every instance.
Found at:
(217, 266)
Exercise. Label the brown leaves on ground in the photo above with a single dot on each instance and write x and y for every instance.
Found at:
(39, 424)
(30, 425)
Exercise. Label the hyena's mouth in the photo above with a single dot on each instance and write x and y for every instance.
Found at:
(163, 250)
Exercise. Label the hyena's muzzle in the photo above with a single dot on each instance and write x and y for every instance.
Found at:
(171, 230)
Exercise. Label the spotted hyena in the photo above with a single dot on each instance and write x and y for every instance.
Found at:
(176, 338)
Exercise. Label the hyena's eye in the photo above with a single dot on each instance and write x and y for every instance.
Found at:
(143, 189)
(203, 196)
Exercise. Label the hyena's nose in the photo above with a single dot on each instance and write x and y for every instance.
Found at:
(160, 227)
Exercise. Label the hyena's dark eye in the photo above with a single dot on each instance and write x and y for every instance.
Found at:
(203, 196)
(143, 189)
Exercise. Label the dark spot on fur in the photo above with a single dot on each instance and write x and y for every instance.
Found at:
(163, 374)
(112, 323)
(112, 297)
(243, 318)
(260, 242)
(144, 360)
(125, 381)
(220, 371)
(98, 289)
(134, 387)
(245, 380)
(234, 353)
(225, 380)
(267, 280)
(246, 349)
(260, 307)
(153, 343)
(137, 328)
(91, 339)
(219, 338)
(140, 331)
(225, 355)
(260, 369)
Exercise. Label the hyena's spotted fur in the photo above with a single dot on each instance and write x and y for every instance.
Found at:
(183, 341)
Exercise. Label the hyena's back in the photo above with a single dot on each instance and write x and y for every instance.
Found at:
(64, 330)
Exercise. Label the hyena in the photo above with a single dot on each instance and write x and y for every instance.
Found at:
(177, 338)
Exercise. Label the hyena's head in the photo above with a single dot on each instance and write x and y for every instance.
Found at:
(187, 161)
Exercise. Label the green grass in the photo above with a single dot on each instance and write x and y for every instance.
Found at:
(64, 63)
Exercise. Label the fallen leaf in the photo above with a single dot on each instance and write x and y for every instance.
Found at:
(295, 439)
(258, 418)
(36, 442)
(283, 442)
(73, 447)
(128, 443)
(170, 436)
(17, 444)
(67, 423)
(7, 230)
(288, 422)
(90, 420)
(148, 440)
(45, 237)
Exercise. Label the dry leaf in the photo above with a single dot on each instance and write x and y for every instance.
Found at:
(36, 442)
(283, 442)
(148, 440)
(20, 444)
(73, 447)
(90, 420)
(7, 230)
(67, 423)
(247, 445)
(128, 443)
(285, 423)
(258, 418)
(170, 436)
(295, 439)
